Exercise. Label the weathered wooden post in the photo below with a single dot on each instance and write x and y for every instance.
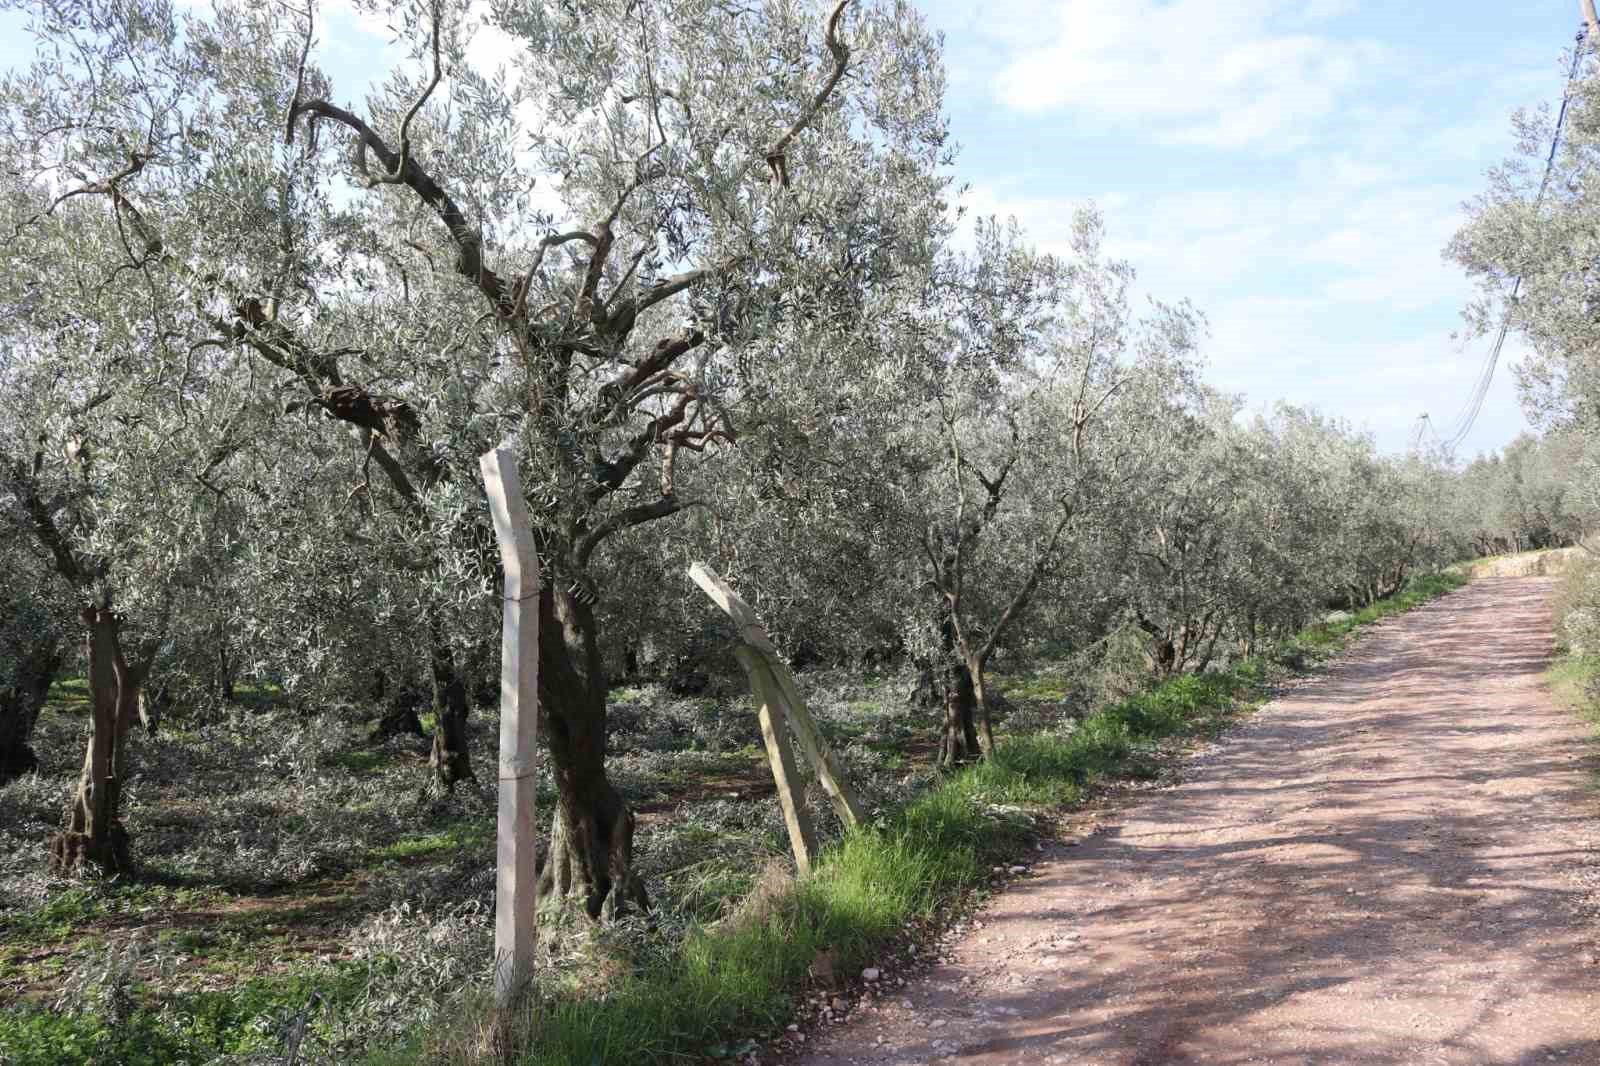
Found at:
(775, 735)
(515, 880)
(782, 705)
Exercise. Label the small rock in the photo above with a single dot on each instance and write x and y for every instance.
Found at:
(1019, 869)
(838, 1004)
(794, 1028)
(871, 973)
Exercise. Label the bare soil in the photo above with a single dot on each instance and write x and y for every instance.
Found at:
(1398, 862)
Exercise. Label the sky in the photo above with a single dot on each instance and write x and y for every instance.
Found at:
(1292, 167)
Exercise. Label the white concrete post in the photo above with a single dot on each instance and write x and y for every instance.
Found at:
(515, 883)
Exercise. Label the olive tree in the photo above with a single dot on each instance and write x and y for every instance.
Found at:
(926, 519)
(108, 440)
(1530, 245)
(34, 643)
(595, 252)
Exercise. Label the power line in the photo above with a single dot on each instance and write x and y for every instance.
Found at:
(1468, 416)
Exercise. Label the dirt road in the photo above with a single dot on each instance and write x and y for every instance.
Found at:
(1397, 863)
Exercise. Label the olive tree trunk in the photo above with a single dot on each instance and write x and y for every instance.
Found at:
(590, 858)
(449, 759)
(20, 704)
(958, 742)
(94, 833)
(980, 697)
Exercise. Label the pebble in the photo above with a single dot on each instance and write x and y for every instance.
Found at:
(871, 973)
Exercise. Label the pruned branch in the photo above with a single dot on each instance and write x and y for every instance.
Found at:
(620, 390)
(617, 471)
(554, 240)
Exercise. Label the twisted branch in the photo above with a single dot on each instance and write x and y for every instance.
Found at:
(841, 57)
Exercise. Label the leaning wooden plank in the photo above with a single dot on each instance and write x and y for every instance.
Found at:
(791, 796)
(515, 904)
(744, 617)
(805, 728)
(815, 745)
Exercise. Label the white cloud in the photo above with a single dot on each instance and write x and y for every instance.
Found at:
(1329, 293)
(1220, 73)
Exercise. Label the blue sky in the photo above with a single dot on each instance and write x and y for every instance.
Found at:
(1293, 168)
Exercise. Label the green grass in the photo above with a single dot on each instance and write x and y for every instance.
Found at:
(56, 918)
(738, 976)
(191, 1027)
(1325, 636)
(1040, 687)
(361, 762)
(1576, 683)
(466, 834)
(68, 910)
(69, 695)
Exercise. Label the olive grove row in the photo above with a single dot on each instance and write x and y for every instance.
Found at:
(704, 268)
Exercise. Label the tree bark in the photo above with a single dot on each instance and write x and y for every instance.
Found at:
(224, 675)
(1162, 653)
(959, 743)
(980, 697)
(20, 704)
(590, 859)
(449, 759)
(94, 833)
